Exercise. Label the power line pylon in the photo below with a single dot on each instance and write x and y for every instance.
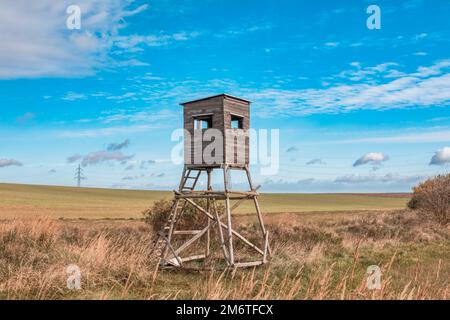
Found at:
(79, 175)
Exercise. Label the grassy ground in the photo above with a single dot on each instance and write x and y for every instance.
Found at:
(321, 245)
(313, 260)
(88, 203)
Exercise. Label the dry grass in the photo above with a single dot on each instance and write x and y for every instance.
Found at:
(315, 260)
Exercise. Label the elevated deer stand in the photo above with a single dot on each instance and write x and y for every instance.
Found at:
(218, 112)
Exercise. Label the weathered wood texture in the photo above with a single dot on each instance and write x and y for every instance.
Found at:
(171, 251)
(234, 142)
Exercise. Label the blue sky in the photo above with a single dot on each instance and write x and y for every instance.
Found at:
(358, 110)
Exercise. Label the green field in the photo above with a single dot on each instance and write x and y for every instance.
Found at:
(88, 203)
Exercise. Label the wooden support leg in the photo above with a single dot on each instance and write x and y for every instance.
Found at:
(183, 180)
(228, 212)
(208, 208)
(222, 239)
(249, 178)
(261, 222)
(173, 217)
(258, 209)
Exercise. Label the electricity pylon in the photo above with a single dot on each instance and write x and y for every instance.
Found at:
(79, 175)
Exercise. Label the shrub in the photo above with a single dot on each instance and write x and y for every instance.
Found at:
(158, 214)
(431, 199)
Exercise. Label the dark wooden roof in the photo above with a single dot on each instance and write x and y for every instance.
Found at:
(224, 95)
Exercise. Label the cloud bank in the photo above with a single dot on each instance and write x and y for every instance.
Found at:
(381, 87)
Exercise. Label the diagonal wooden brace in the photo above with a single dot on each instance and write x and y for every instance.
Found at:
(238, 235)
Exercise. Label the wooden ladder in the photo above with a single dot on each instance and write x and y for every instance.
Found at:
(187, 176)
(161, 241)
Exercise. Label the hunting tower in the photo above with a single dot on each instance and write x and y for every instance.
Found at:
(229, 119)
(216, 138)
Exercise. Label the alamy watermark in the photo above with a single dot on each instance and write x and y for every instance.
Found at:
(374, 20)
(73, 21)
(73, 281)
(373, 278)
(236, 147)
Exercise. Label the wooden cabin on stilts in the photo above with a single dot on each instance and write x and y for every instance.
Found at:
(216, 140)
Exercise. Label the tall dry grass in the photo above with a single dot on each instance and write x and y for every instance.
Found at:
(310, 261)
(34, 255)
(325, 283)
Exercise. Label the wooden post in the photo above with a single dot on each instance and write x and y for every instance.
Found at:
(228, 211)
(172, 219)
(183, 179)
(258, 209)
(249, 178)
(222, 239)
(208, 208)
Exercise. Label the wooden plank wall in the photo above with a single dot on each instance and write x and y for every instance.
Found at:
(237, 141)
(221, 108)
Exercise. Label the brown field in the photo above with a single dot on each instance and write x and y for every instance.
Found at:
(89, 203)
(322, 254)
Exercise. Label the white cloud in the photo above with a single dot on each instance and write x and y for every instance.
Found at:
(134, 41)
(387, 178)
(9, 163)
(72, 96)
(145, 163)
(104, 156)
(421, 35)
(124, 96)
(359, 72)
(315, 161)
(118, 146)
(74, 158)
(427, 86)
(441, 157)
(131, 63)
(331, 44)
(233, 32)
(36, 42)
(435, 136)
(433, 70)
(390, 182)
(372, 158)
(110, 131)
(138, 116)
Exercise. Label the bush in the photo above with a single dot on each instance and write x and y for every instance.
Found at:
(431, 199)
(158, 214)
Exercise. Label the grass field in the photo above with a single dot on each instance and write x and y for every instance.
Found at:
(314, 260)
(89, 203)
(322, 245)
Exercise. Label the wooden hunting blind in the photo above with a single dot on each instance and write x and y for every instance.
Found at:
(225, 115)
(216, 138)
